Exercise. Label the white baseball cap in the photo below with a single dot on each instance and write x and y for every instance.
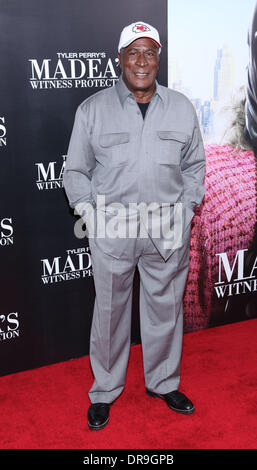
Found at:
(137, 30)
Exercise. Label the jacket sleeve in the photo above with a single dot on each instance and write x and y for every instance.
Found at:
(193, 168)
(80, 164)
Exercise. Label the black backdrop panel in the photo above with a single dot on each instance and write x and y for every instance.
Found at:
(54, 54)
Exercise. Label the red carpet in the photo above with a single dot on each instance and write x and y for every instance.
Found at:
(46, 408)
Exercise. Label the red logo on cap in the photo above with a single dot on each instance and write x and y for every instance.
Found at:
(140, 28)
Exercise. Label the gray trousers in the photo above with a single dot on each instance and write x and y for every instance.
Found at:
(162, 285)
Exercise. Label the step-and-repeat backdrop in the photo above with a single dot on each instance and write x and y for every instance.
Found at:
(54, 54)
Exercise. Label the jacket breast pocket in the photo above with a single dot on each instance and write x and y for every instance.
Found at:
(115, 147)
(170, 145)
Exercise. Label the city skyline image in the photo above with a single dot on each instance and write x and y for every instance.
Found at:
(208, 54)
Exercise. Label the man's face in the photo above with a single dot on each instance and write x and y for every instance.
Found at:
(140, 63)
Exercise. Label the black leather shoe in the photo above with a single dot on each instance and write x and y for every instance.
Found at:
(175, 400)
(98, 416)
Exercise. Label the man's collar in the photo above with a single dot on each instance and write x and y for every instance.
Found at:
(124, 92)
(160, 91)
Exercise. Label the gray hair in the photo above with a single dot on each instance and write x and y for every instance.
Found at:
(230, 122)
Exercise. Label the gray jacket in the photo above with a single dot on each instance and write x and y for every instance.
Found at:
(114, 152)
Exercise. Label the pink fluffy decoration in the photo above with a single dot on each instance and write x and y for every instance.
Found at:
(224, 222)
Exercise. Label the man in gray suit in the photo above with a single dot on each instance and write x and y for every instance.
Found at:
(136, 161)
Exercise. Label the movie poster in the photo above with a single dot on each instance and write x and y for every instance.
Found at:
(211, 59)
